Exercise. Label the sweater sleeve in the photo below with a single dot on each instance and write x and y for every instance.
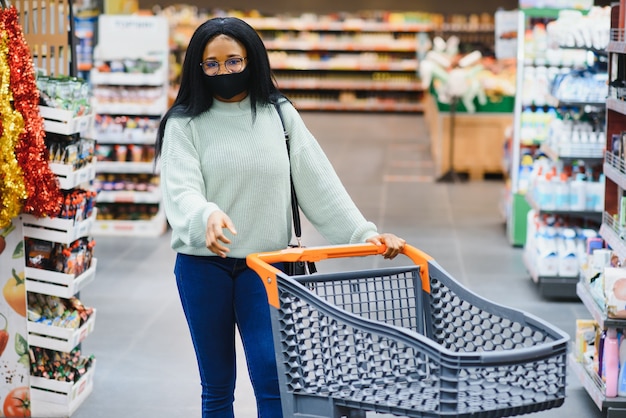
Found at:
(182, 184)
(321, 195)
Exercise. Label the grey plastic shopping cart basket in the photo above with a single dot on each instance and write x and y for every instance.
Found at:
(408, 341)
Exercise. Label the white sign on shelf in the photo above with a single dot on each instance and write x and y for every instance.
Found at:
(124, 36)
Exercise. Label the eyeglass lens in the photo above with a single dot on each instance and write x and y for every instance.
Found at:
(232, 65)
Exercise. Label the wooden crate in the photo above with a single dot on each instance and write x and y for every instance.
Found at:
(478, 140)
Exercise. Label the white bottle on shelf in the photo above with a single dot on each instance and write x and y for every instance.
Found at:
(561, 191)
(578, 193)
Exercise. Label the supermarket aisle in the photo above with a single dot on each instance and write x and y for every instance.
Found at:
(145, 362)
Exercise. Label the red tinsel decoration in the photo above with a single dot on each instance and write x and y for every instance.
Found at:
(44, 195)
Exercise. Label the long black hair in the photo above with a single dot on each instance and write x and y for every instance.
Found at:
(194, 95)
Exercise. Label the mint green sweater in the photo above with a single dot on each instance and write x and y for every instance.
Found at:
(222, 160)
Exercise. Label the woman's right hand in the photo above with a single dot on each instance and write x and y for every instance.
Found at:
(215, 238)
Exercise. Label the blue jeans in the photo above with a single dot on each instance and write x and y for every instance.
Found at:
(217, 293)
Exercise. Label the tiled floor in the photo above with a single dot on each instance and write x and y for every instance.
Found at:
(145, 362)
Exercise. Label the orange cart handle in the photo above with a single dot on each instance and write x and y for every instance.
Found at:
(261, 262)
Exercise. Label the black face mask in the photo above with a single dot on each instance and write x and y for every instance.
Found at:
(228, 86)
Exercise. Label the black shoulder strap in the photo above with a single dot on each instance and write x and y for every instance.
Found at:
(295, 212)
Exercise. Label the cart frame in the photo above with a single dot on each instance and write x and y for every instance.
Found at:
(408, 341)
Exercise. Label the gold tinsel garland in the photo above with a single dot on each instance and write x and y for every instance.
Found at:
(12, 188)
(22, 145)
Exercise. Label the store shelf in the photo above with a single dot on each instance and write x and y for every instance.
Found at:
(615, 183)
(152, 108)
(595, 388)
(342, 65)
(590, 380)
(116, 167)
(613, 236)
(58, 338)
(126, 131)
(60, 399)
(597, 312)
(355, 25)
(297, 45)
(149, 228)
(343, 84)
(59, 284)
(128, 79)
(551, 286)
(130, 137)
(125, 196)
(361, 106)
(579, 151)
(587, 214)
(64, 231)
(70, 178)
(305, 55)
(64, 122)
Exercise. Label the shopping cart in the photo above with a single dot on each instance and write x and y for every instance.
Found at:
(408, 341)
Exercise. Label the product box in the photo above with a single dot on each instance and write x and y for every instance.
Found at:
(615, 292)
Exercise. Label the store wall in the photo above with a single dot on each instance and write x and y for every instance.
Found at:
(329, 6)
(447, 7)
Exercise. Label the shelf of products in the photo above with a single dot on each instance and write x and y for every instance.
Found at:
(130, 96)
(46, 172)
(597, 359)
(599, 289)
(352, 65)
(555, 193)
(360, 62)
(59, 258)
(604, 387)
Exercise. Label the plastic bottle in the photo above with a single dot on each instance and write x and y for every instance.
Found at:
(621, 384)
(601, 354)
(578, 193)
(611, 363)
(562, 192)
(527, 130)
(595, 194)
(548, 201)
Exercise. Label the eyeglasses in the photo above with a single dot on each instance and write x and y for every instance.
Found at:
(232, 65)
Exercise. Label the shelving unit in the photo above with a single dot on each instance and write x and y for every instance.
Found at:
(557, 285)
(48, 33)
(130, 96)
(332, 63)
(534, 112)
(610, 230)
(593, 384)
(517, 206)
(364, 62)
(351, 65)
(52, 397)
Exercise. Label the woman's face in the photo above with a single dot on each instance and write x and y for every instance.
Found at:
(220, 49)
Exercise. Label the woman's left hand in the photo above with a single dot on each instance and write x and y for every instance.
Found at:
(393, 243)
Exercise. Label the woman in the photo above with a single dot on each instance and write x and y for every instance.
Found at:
(226, 192)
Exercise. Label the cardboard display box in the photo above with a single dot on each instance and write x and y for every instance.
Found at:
(478, 140)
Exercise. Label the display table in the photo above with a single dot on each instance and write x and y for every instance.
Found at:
(478, 140)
